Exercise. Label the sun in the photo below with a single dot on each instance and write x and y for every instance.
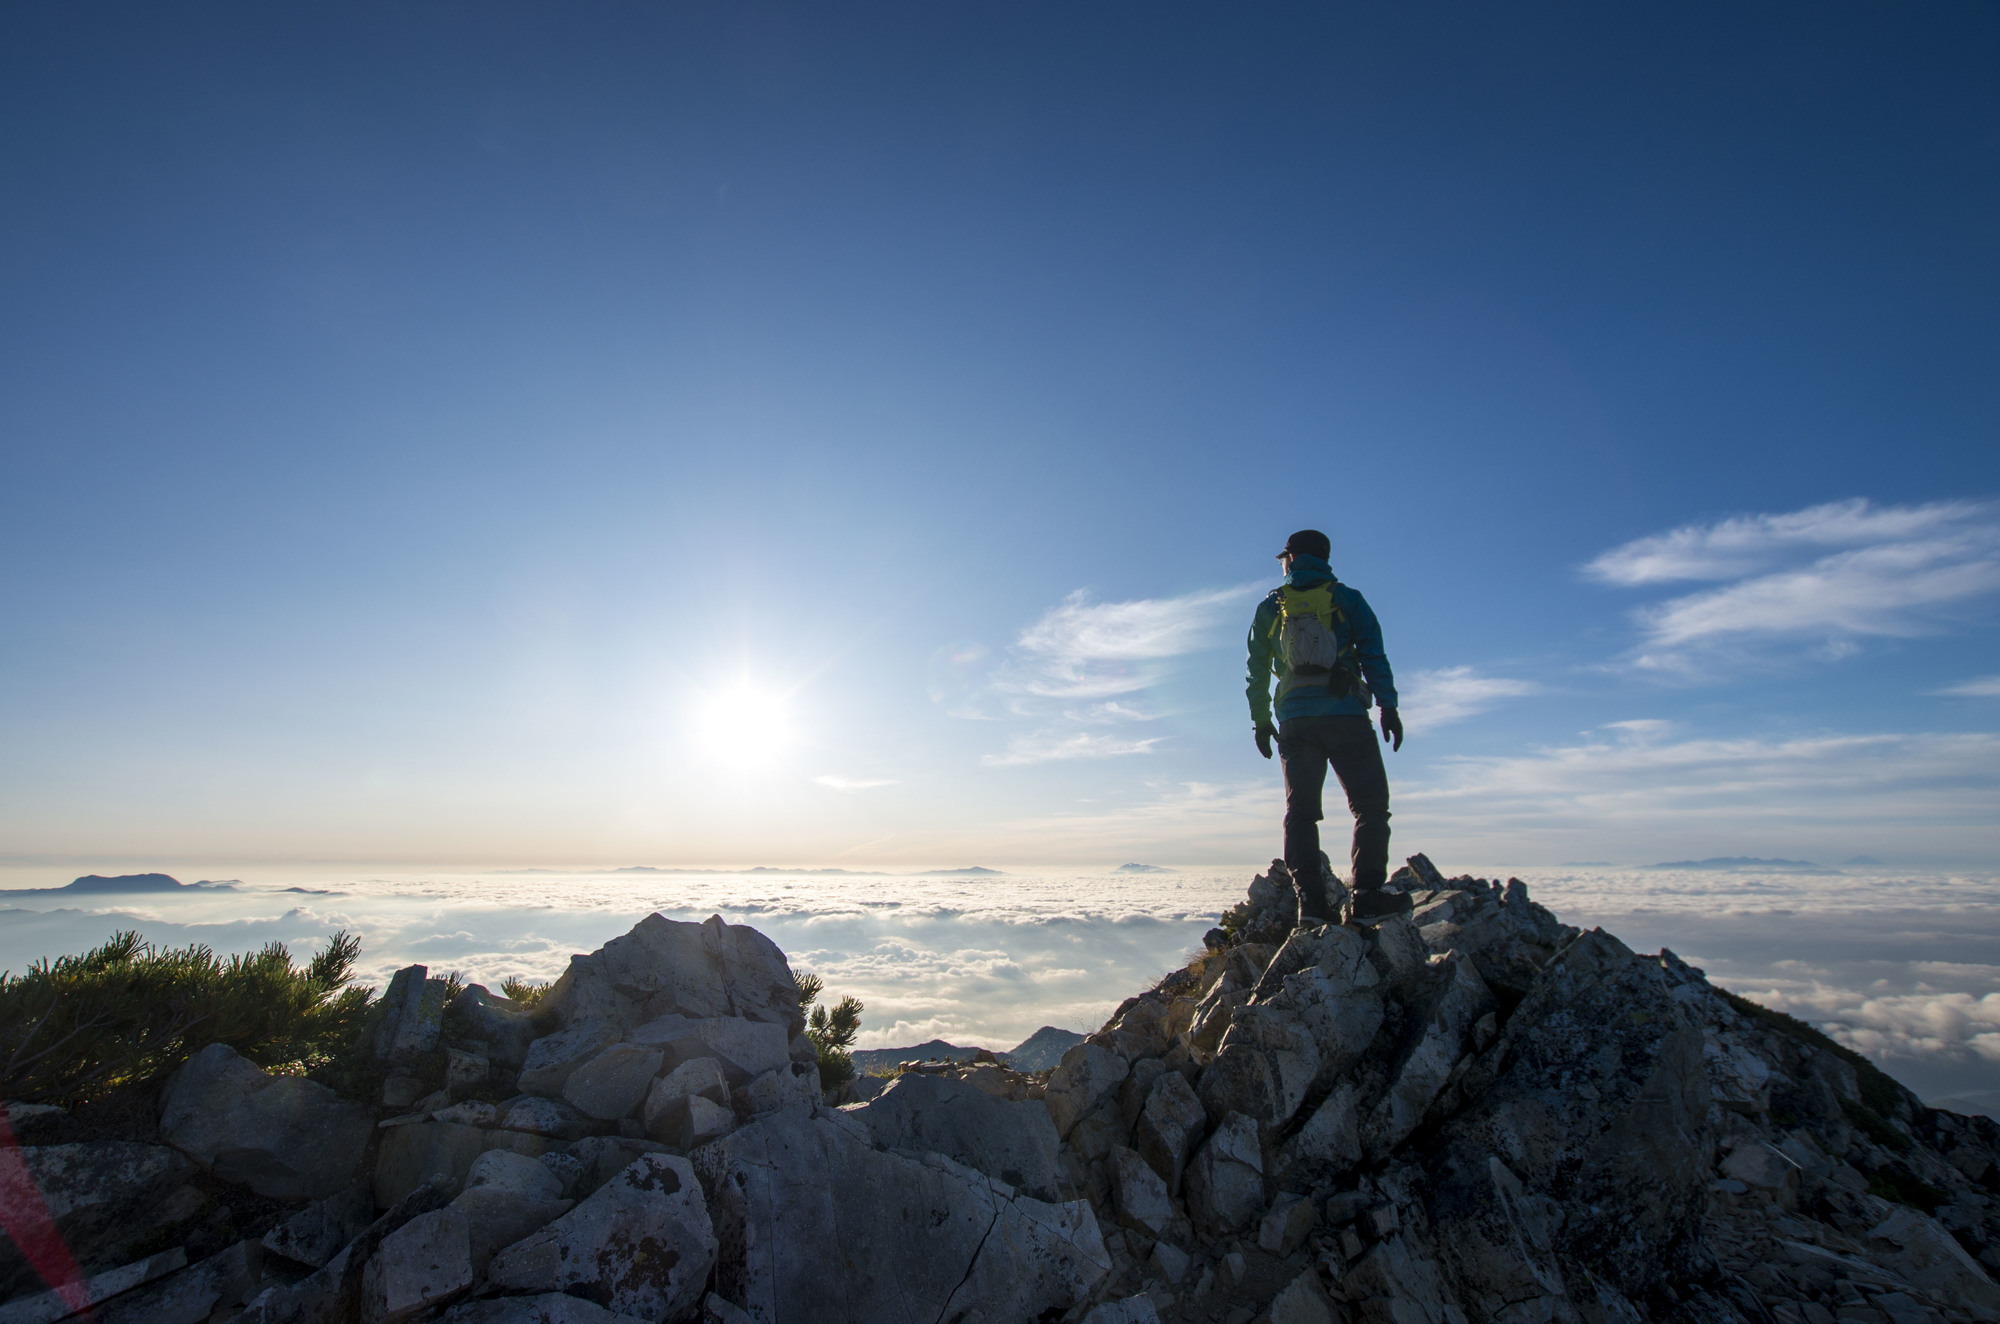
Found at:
(744, 725)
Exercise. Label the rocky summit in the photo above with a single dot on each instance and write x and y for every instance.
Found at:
(1470, 1113)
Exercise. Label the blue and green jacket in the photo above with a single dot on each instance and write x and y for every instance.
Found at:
(1266, 665)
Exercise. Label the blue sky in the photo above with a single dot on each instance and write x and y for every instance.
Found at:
(716, 434)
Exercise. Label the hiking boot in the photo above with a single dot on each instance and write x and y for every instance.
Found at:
(1377, 904)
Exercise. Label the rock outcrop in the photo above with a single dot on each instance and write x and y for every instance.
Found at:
(1472, 1114)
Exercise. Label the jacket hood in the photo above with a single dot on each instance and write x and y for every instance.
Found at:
(1308, 570)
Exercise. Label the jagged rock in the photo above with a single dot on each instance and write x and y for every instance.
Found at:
(556, 1118)
(1594, 1098)
(548, 1308)
(1507, 936)
(424, 1263)
(1393, 1286)
(665, 1114)
(59, 1303)
(1225, 1184)
(1929, 1258)
(1139, 1194)
(106, 1198)
(1285, 1228)
(1083, 1080)
(464, 1071)
(552, 1059)
(282, 1136)
(412, 1017)
(1015, 1142)
(316, 1233)
(506, 1197)
(411, 1156)
(1326, 1147)
(1171, 1261)
(1304, 1301)
(613, 1084)
(604, 1157)
(664, 966)
(1762, 1166)
(1132, 1310)
(192, 1294)
(333, 1294)
(1264, 1067)
(1416, 1078)
(1170, 1125)
(789, 1187)
(503, 1025)
(793, 1086)
(1096, 1135)
(1336, 995)
(1138, 1029)
(641, 1245)
(745, 1049)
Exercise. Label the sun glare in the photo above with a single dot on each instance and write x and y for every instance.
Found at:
(744, 725)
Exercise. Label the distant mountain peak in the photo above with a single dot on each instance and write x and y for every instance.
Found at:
(1142, 868)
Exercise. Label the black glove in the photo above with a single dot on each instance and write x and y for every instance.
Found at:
(1264, 734)
(1392, 728)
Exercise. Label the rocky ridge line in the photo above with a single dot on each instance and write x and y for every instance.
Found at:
(1474, 1113)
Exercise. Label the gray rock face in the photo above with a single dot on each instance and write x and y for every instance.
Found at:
(640, 1246)
(613, 1084)
(1170, 1125)
(105, 1197)
(503, 1026)
(1928, 1257)
(191, 1295)
(558, 1119)
(1083, 1080)
(1264, 1067)
(334, 1294)
(1418, 1075)
(1508, 936)
(284, 1137)
(793, 1087)
(1014, 1142)
(316, 1233)
(552, 1059)
(425, 1152)
(424, 1263)
(1139, 1195)
(667, 966)
(506, 1197)
(1327, 1147)
(1594, 1097)
(787, 1187)
(665, 1114)
(412, 1017)
(547, 1308)
(744, 1049)
(1226, 1182)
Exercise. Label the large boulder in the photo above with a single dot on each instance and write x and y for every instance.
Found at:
(316, 1233)
(284, 1137)
(666, 966)
(412, 1017)
(641, 1245)
(744, 1049)
(506, 1197)
(105, 1198)
(213, 1286)
(422, 1264)
(429, 1152)
(613, 1084)
(334, 1294)
(1170, 1125)
(1437, 1040)
(1507, 936)
(666, 1113)
(1081, 1082)
(1015, 1142)
(815, 1223)
(503, 1025)
(552, 1059)
(1593, 1100)
(1225, 1184)
(1327, 1147)
(1929, 1258)
(1265, 1066)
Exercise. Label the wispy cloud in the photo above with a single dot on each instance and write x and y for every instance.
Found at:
(1985, 687)
(1434, 698)
(1077, 669)
(1830, 573)
(1641, 790)
(1051, 746)
(839, 783)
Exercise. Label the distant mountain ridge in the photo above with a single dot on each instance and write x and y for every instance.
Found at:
(1745, 862)
(1039, 1051)
(125, 884)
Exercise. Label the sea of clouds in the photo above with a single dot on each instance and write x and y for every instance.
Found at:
(1904, 967)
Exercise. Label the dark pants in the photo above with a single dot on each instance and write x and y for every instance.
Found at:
(1307, 745)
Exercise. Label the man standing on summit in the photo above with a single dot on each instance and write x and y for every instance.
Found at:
(1321, 641)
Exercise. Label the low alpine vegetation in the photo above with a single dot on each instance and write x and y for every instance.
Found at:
(832, 1032)
(126, 1012)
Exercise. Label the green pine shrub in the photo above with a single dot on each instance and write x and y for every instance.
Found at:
(126, 1012)
(832, 1032)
